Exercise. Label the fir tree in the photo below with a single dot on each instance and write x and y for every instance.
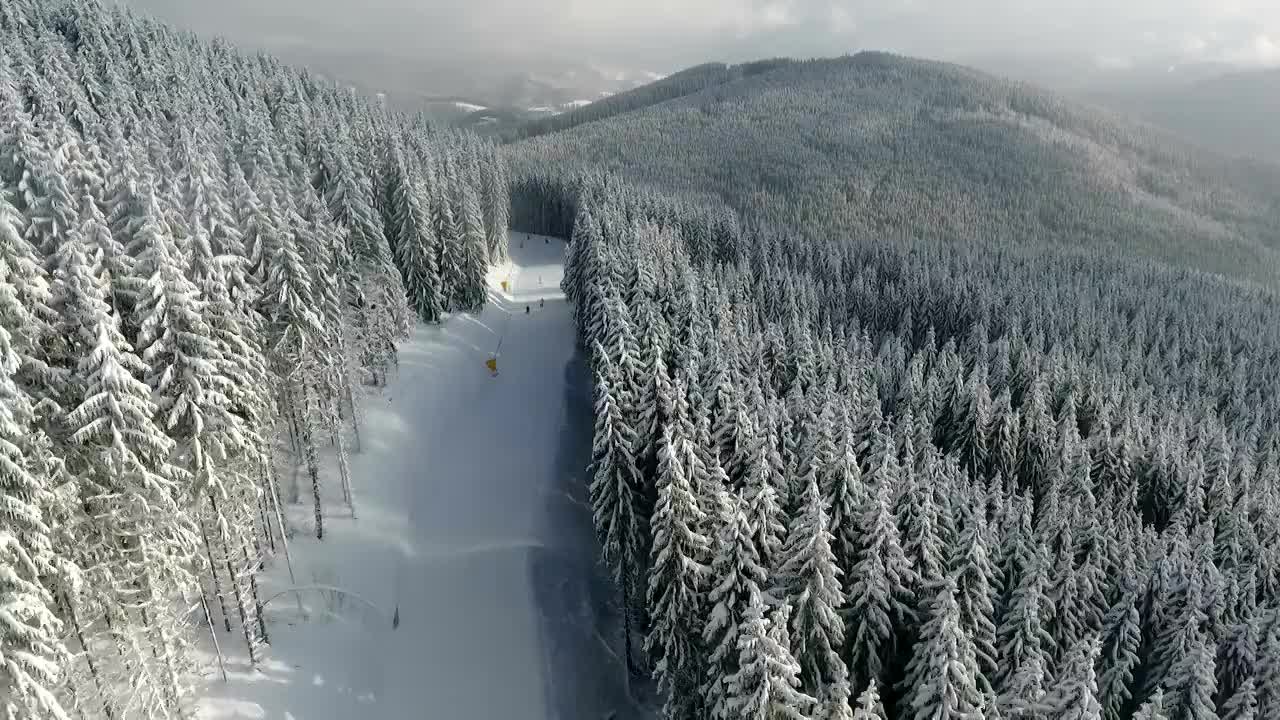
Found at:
(764, 508)
(1243, 703)
(941, 678)
(767, 684)
(975, 576)
(880, 597)
(1121, 640)
(868, 705)
(474, 263)
(616, 503)
(1075, 689)
(834, 701)
(736, 575)
(32, 652)
(1268, 672)
(810, 585)
(676, 577)
(1023, 646)
(1153, 709)
(415, 245)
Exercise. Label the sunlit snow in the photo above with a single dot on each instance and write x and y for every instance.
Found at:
(472, 521)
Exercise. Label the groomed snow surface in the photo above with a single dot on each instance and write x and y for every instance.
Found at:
(470, 518)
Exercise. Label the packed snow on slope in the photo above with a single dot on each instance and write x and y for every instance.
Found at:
(471, 521)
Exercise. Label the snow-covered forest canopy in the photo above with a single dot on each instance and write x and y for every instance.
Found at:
(910, 479)
(928, 410)
(205, 259)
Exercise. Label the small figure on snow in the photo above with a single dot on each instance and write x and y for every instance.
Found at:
(526, 309)
(541, 301)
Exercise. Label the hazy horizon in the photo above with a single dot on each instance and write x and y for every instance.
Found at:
(435, 47)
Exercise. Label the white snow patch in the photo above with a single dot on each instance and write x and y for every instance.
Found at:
(577, 103)
(469, 107)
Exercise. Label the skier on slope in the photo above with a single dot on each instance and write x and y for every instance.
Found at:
(541, 301)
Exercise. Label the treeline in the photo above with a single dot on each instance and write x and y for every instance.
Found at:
(201, 252)
(912, 480)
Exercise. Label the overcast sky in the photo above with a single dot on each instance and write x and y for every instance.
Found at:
(665, 35)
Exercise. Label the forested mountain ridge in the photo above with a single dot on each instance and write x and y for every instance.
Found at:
(875, 145)
(902, 479)
(202, 252)
(913, 399)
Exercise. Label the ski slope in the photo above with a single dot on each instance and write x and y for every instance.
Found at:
(471, 522)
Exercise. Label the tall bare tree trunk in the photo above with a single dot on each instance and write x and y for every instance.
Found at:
(94, 673)
(313, 465)
(213, 635)
(257, 599)
(344, 468)
(213, 573)
(235, 584)
(353, 410)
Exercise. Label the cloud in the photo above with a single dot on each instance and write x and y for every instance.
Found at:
(1262, 50)
(668, 34)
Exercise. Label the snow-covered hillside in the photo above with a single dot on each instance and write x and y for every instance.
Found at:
(471, 522)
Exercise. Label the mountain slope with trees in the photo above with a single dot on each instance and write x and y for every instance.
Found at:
(876, 145)
(201, 253)
(944, 479)
(936, 454)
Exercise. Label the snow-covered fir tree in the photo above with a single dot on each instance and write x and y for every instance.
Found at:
(767, 683)
(677, 575)
(736, 574)
(868, 706)
(616, 500)
(810, 584)
(942, 677)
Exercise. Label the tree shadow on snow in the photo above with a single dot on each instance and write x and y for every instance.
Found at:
(580, 624)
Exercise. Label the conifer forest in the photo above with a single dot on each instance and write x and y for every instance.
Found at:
(917, 394)
(916, 480)
(205, 258)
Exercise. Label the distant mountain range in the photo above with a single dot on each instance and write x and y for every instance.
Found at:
(1219, 106)
(1236, 113)
(450, 92)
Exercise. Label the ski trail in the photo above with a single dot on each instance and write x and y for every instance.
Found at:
(469, 638)
(461, 518)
